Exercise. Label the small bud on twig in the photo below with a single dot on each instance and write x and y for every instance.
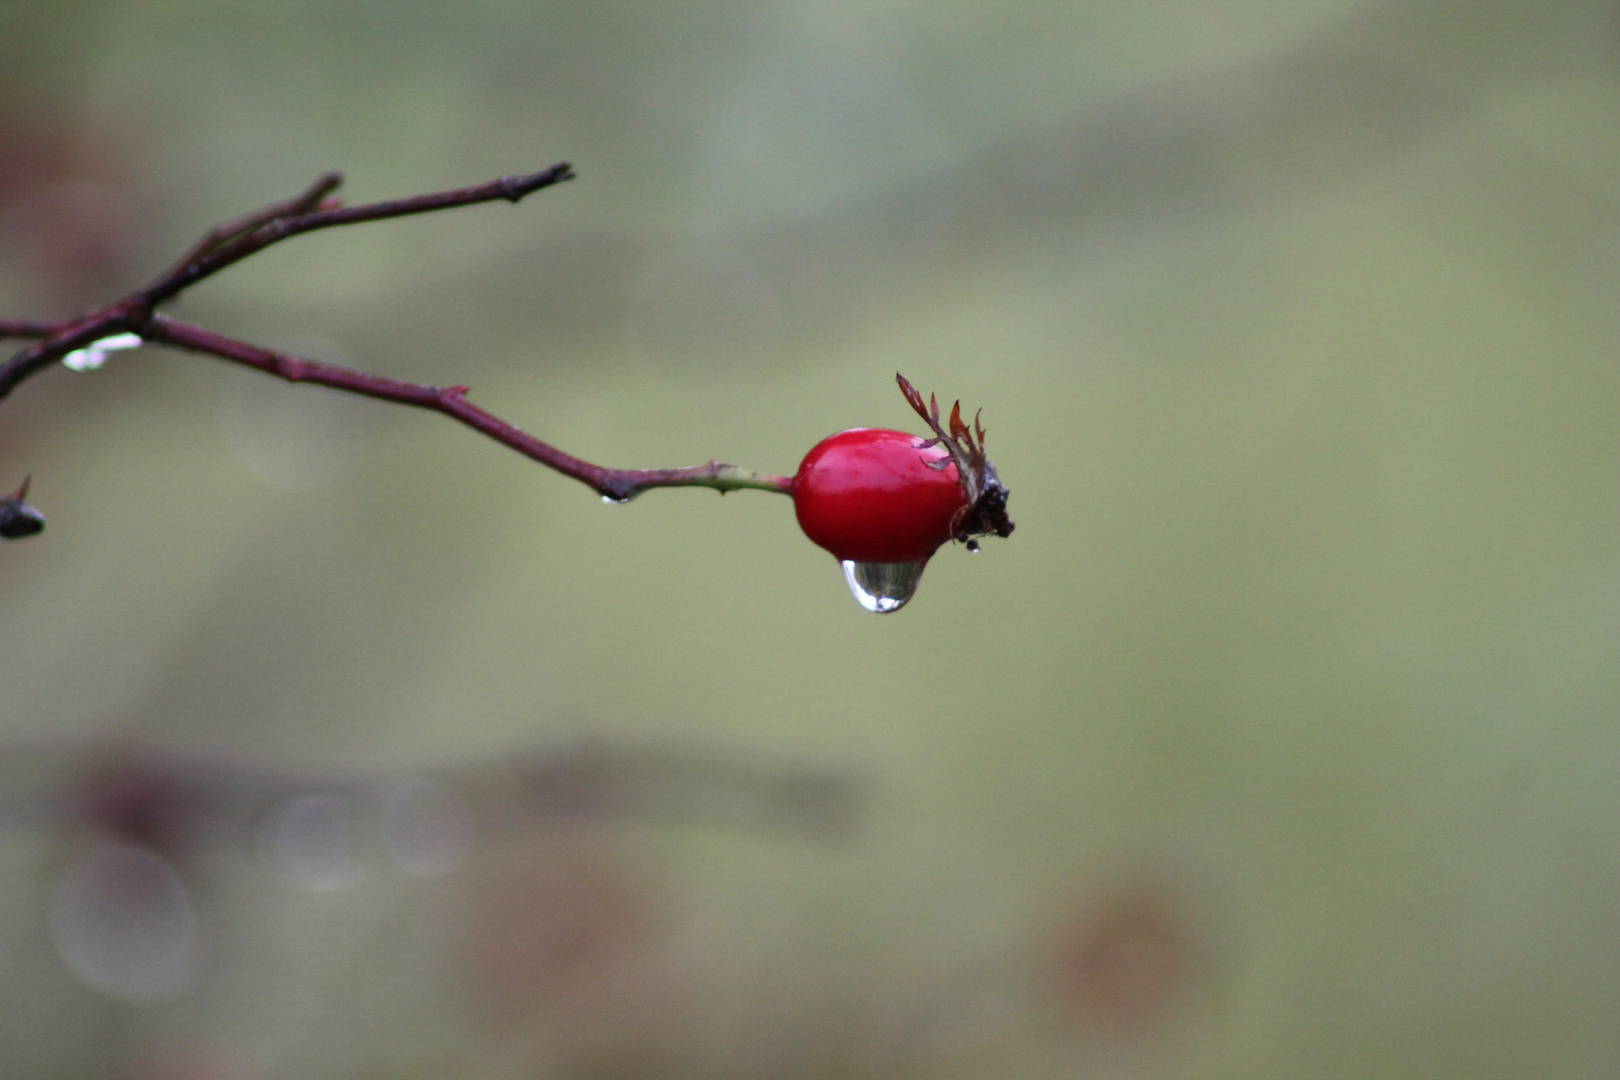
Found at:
(17, 518)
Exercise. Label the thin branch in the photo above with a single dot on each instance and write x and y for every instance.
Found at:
(310, 199)
(208, 257)
(28, 328)
(65, 337)
(510, 188)
(620, 485)
(308, 211)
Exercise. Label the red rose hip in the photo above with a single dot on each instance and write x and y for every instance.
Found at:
(871, 498)
(884, 501)
(869, 495)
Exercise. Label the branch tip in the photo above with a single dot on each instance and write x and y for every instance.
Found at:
(516, 187)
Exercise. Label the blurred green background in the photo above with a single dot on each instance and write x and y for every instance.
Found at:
(1296, 327)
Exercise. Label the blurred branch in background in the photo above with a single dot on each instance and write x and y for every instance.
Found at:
(149, 795)
(144, 818)
(83, 342)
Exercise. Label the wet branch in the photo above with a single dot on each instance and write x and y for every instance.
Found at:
(617, 484)
(310, 210)
(27, 328)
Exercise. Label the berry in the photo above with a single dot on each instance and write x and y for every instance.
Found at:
(884, 501)
(870, 495)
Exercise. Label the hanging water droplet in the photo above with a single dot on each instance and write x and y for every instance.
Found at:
(883, 586)
(92, 356)
(611, 501)
(973, 547)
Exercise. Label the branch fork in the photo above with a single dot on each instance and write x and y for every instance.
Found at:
(313, 209)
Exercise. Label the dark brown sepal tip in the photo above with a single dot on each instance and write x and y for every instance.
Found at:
(986, 511)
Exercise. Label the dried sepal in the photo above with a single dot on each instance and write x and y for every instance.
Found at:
(986, 509)
(912, 396)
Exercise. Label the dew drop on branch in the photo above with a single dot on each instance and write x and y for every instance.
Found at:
(92, 356)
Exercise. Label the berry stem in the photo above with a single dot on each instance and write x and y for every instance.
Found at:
(620, 485)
